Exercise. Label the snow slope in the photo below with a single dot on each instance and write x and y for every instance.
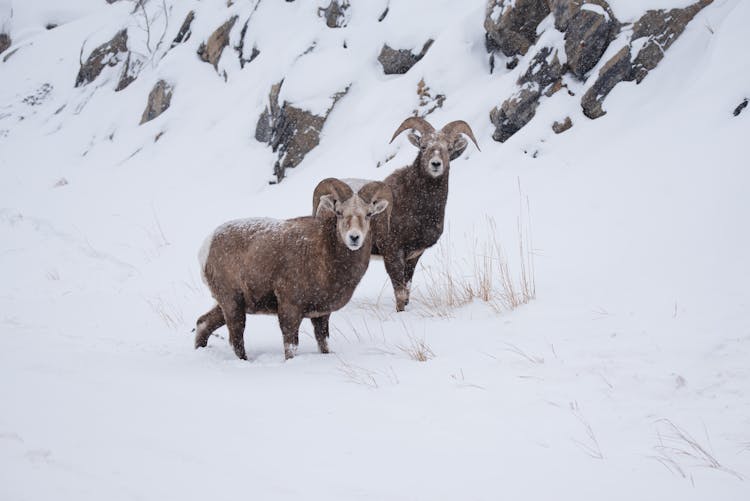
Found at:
(627, 377)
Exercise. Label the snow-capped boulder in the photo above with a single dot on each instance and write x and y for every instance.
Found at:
(542, 77)
(185, 29)
(587, 35)
(511, 24)
(652, 35)
(660, 29)
(335, 14)
(159, 100)
(110, 53)
(210, 51)
(399, 61)
(290, 130)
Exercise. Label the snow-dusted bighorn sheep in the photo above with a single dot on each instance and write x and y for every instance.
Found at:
(305, 267)
(420, 192)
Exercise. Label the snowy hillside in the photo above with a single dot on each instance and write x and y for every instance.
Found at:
(625, 377)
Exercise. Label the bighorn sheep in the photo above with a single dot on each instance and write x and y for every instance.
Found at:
(305, 267)
(420, 192)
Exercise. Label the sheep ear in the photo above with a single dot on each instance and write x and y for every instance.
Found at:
(378, 206)
(458, 147)
(414, 139)
(326, 204)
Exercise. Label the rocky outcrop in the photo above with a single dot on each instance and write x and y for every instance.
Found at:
(335, 14)
(183, 35)
(291, 131)
(399, 61)
(587, 35)
(510, 25)
(613, 72)
(159, 100)
(589, 27)
(4, 42)
(542, 77)
(130, 70)
(210, 51)
(110, 53)
(652, 35)
(660, 28)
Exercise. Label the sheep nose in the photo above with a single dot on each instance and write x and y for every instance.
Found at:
(436, 163)
(354, 239)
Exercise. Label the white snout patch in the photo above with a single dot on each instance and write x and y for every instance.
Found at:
(436, 167)
(354, 239)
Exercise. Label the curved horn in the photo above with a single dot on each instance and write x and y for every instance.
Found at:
(377, 190)
(419, 124)
(460, 127)
(331, 186)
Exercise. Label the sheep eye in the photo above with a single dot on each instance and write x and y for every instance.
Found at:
(339, 213)
(369, 215)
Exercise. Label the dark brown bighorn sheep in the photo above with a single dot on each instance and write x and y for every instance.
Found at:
(305, 267)
(420, 192)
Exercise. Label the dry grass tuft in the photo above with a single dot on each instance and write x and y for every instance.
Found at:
(489, 279)
(676, 444)
(591, 445)
(417, 350)
(366, 377)
(168, 312)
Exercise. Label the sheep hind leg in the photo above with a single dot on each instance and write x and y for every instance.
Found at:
(207, 324)
(290, 319)
(234, 315)
(320, 324)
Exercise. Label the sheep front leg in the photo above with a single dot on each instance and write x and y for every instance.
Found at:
(290, 317)
(411, 264)
(207, 324)
(320, 324)
(395, 266)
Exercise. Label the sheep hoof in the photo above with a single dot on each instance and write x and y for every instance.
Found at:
(323, 347)
(289, 351)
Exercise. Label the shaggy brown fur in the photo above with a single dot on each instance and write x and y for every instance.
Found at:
(298, 268)
(420, 193)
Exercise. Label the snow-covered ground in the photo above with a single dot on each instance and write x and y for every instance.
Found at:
(628, 376)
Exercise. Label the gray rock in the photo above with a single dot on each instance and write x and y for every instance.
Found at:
(587, 36)
(335, 13)
(563, 11)
(613, 72)
(399, 61)
(108, 54)
(5, 42)
(183, 35)
(130, 70)
(291, 132)
(510, 25)
(159, 100)
(210, 51)
(661, 28)
(542, 77)
(560, 127)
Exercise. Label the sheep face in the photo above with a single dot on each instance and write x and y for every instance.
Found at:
(352, 217)
(436, 150)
